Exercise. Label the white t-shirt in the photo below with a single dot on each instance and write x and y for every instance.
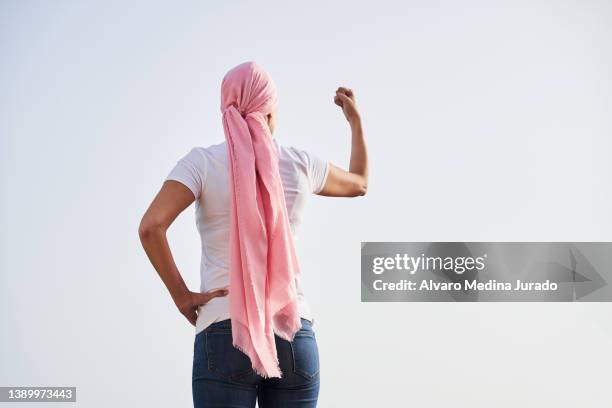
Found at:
(204, 170)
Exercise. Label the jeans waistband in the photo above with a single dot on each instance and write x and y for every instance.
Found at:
(227, 323)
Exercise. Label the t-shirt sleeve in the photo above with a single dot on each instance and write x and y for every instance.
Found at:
(190, 171)
(318, 169)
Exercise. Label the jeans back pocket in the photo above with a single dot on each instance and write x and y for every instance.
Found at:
(305, 354)
(223, 358)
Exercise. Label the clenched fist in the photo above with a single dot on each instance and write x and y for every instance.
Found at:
(345, 98)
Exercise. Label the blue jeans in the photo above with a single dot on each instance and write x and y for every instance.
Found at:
(223, 376)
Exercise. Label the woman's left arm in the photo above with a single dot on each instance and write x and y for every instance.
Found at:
(354, 182)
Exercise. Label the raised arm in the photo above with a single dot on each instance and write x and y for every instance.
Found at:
(171, 200)
(354, 182)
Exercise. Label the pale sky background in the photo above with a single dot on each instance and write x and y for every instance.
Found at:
(486, 121)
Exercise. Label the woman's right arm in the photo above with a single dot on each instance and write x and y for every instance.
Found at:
(169, 202)
(354, 182)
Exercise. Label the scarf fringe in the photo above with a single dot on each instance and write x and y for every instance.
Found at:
(261, 372)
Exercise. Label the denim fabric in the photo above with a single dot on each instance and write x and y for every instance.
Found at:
(223, 377)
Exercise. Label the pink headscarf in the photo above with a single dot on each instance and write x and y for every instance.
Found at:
(263, 263)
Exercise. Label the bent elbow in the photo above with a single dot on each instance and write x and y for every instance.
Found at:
(357, 190)
(148, 227)
(361, 188)
(364, 189)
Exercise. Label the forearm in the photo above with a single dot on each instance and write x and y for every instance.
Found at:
(359, 155)
(155, 244)
(354, 182)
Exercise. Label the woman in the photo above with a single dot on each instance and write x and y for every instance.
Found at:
(254, 336)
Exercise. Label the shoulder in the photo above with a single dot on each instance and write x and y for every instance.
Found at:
(295, 154)
(304, 157)
(217, 149)
(314, 166)
(213, 150)
(199, 156)
(290, 151)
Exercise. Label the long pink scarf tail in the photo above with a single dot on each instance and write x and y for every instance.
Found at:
(263, 263)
